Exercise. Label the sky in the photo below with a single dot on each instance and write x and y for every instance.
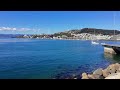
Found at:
(48, 22)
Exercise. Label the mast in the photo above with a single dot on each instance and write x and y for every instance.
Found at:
(114, 21)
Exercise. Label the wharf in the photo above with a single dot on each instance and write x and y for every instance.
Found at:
(111, 48)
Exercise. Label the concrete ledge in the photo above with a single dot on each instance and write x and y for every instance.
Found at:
(112, 49)
(109, 50)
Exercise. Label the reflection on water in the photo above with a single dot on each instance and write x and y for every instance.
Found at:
(114, 58)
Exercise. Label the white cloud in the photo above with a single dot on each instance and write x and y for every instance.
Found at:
(14, 29)
(5, 28)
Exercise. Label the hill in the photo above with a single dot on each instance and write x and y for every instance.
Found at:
(9, 35)
(88, 30)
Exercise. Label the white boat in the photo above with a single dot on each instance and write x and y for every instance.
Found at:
(93, 42)
(94, 38)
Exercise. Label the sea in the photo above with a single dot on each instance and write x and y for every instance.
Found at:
(51, 59)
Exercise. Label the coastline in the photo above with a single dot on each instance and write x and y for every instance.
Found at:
(69, 39)
(111, 72)
(82, 36)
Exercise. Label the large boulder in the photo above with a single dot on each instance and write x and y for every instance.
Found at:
(114, 76)
(98, 72)
(117, 67)
(118, 71)
(105, 72)
(111, 68)
(84, 76)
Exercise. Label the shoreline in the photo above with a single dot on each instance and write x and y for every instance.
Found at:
(68, 39)
(111, 72)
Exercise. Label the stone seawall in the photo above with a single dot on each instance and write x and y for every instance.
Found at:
(111, 72)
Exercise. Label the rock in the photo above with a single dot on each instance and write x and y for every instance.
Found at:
(105, 72)
(111, 72)
(84, 76)
(118, 70)
(98, 71)
(96, 76)
(113, 76)
(75, 78)
(117, 66)
(111, 68)
(101, 77)
(90, 76)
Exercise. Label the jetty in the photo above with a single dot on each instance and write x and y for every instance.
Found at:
(111, 48)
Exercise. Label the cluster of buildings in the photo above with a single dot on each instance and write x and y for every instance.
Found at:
(83, 36)
(37, 36)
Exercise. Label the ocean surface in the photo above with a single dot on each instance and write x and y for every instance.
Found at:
(47, 59)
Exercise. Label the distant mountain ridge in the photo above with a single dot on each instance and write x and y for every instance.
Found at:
(99, 31)
(67, 33)
(9, 35)
(92, 30)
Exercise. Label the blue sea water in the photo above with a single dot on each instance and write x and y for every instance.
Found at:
(45, 59)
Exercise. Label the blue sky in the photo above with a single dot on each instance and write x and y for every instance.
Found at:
(37, 22)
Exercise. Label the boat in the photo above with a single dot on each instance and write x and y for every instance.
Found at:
(93, 42)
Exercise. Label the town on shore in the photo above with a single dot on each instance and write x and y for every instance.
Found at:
(82, 34)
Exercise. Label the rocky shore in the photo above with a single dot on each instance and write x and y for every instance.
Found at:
(111, 72)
